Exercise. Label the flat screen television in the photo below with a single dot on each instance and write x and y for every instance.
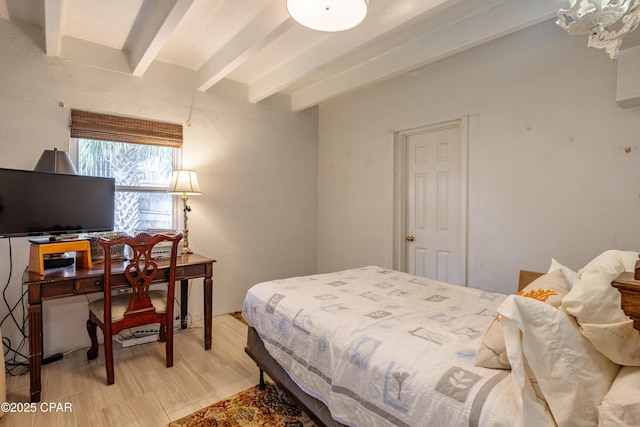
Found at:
(41, 203)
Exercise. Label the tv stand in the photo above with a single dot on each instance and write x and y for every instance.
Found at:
(82, 248)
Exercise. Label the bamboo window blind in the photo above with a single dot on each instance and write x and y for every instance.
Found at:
(105, 127)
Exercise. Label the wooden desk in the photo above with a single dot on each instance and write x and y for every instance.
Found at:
(69, 281)
(630, 291)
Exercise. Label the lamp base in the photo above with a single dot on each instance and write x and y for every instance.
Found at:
(186, 250)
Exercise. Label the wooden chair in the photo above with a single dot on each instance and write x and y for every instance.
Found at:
(114, 313)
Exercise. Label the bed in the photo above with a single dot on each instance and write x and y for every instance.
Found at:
(376, 347)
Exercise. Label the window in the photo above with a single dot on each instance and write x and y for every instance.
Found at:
(142, 174)
(140, 155)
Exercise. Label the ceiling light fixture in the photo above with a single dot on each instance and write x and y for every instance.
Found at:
(328, 15)
(594, 17)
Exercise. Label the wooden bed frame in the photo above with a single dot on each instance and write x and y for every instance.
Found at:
(315, 408)
(527, 277)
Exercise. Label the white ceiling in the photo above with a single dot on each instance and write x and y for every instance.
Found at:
(257, 43)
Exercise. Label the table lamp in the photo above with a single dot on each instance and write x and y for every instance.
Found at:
(55, 161)
(185, 183)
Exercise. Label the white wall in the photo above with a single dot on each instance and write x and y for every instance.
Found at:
(549, 176)
(256, 164)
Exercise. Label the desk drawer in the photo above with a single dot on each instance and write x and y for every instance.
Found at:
(93, 284)
(56, 289)
(96, 283)
(190, 271)
(90, 284)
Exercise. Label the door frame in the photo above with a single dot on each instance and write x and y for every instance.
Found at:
(468, 133)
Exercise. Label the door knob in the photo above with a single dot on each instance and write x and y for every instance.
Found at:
(410, 238)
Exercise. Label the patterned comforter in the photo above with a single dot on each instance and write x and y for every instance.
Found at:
(385, 348)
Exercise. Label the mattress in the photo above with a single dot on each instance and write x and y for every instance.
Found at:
(385, 348)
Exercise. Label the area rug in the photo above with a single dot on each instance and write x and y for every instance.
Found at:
(238, 315)
(249, 408)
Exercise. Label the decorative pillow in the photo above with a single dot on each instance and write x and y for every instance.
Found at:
(621, 404)
(572, 375)
(549, 288)
(596, 306)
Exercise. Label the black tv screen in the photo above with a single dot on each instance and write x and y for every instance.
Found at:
(41, 203)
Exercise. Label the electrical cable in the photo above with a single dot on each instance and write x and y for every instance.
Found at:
(179, 303)
(16, 363)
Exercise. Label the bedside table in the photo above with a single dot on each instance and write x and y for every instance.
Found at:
(630, 291)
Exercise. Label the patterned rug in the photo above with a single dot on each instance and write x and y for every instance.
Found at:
(238, 315)
(250, 408)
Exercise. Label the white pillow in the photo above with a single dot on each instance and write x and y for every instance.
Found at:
(569, 275)
(621, 404)
(572, 375)
(596, 305)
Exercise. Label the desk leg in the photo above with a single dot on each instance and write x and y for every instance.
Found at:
(184, 303)
(35, 350)
(208, 306)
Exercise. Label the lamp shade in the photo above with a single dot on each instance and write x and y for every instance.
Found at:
(55, 161)
(328, 15)
(184, 182)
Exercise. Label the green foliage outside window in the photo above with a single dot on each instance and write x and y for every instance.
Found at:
(142, 173)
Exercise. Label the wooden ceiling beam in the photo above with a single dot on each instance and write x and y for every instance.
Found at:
(154, 25)
(388, 18)
(53, 21)
(258, 33)
(447, 40)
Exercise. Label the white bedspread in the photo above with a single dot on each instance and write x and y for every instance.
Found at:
(384, 348)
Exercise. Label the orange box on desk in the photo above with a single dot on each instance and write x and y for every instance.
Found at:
(82, 248)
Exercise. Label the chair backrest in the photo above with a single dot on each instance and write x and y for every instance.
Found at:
(140, 271)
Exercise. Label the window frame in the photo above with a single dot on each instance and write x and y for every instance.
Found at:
(128, 130)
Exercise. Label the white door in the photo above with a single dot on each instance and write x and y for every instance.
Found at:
(434, 241)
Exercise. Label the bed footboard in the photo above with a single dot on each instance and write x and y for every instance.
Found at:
(316, 410)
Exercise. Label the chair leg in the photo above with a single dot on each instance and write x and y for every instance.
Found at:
(169, 345)
(261, 384)
(162, 334)
(108, 356)
(92, 353)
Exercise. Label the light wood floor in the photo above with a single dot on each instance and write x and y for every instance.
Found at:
(145, 393)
